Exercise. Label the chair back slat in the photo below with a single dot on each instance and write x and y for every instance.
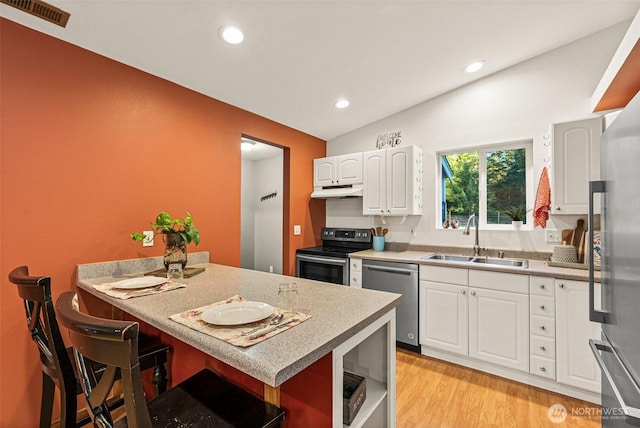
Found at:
(43, 327)
(110, 342)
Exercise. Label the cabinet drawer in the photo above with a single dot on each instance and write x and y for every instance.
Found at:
(355, 265)
(541, 366)
(542, 326)
(444, 274)
(355, 279)
(540, 305)
(541, 286)
(543, 347)
(511, 282)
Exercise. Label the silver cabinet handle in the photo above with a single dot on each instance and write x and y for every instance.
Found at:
(541, 286)
(542, 369)
(543, 328)
(630, 412)
(557, 208)
(542, 348)
(473, 293)
(463, 292)
(595, 316)
(542, 307)
(561, 286)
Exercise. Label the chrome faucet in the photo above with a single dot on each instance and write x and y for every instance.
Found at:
(476, 245)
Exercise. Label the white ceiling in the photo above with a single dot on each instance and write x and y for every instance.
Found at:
(298, 57)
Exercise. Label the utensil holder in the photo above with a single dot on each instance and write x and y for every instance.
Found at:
(378, 243)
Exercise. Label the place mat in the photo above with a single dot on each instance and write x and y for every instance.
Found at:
(187, 272)
(238, 335)
(110, 290)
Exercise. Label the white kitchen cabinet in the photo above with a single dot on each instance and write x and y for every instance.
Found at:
(337, 170)
(576, 365)
(444, 316)
(499, 327)
(393, 181)
(575, 162)
(542, 323)
(355, 273)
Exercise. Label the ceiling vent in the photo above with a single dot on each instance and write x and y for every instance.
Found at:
(41, 10)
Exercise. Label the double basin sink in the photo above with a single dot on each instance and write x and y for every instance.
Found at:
(478, 259)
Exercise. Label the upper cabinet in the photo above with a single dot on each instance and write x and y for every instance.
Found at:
(576, 161)
(393, 181)
(621, 80)
(337, 170)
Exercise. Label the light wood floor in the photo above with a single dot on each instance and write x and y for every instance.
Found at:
(434, 393)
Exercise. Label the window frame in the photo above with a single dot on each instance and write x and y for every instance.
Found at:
(527, 145)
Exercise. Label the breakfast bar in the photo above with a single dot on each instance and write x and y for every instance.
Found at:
(300, 369)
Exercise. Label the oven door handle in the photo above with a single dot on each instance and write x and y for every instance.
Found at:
(327, 260)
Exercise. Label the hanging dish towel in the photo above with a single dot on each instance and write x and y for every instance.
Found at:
(543, 200)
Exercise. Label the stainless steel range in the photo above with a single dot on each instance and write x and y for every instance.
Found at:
(330, 262)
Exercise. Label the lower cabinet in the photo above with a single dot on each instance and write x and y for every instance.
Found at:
(486, 324)
(444, 320)
(576, 365)
(499, 327)
(536, 325)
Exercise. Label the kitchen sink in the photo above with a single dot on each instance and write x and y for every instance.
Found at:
(501, 262)
(473, 259)
(448, 258)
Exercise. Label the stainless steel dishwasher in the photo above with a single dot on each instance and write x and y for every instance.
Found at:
(401, 278)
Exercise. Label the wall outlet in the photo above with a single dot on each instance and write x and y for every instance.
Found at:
(297, 229)
(271, 269)
(148, 238)
(552, 236)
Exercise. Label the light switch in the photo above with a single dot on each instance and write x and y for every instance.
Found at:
(297, 229)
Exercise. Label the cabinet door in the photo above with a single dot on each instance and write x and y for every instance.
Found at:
(499, 327)
(444, 321)
(576, 161)
(399, 168)
(324, 172)
(349, 169)
(576, 365)
(375, 179)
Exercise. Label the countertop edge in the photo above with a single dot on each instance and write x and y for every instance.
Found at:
(536, 267)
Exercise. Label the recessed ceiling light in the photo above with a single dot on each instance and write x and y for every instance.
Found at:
(342, 103)
(231, 34)
(474, 66)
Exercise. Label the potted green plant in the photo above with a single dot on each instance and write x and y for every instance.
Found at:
(516, 214)
(176, 233)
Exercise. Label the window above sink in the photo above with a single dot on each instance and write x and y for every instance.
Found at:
(488, 181)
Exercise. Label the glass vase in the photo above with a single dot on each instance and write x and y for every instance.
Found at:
(175, 249)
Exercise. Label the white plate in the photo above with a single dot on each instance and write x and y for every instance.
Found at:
(237, 313)
(142, 282)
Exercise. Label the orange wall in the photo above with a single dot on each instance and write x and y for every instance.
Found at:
(90, 151)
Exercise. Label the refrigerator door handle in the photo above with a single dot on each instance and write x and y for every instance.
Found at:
(595, 316)
(632, 413)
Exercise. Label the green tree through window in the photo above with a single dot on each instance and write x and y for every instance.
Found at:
(488, 182)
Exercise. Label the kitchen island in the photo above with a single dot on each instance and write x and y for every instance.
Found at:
(300, 369)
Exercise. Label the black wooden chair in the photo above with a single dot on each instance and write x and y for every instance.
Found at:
(203, 400)
(58, 364)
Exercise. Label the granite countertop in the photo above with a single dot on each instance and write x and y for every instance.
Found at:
(337, 312)
(536, 267)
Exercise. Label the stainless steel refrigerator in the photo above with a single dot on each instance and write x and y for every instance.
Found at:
(618, 351)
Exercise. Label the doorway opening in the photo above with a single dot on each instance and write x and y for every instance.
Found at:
(262, 206)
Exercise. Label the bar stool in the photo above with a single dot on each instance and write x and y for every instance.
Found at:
(58, 364)
(203, 400)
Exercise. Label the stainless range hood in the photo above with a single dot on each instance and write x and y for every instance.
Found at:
(350, 191)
